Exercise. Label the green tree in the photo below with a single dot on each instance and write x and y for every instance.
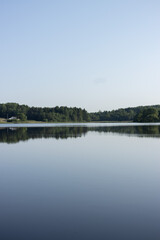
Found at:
(147, 115)
(22, 116)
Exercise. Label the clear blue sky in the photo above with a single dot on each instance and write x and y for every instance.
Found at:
(98, 55)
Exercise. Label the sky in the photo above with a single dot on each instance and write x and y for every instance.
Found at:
(93, 54)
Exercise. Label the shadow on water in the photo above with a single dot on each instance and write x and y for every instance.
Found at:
(15, 135)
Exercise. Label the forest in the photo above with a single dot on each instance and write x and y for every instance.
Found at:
(46, 114)
(16, 112)
(131, 114)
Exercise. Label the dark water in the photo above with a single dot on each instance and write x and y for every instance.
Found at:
(80, 182)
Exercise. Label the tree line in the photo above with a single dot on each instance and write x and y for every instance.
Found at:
(133, 114)
(46, 114)
(68, 114)
(148, 115)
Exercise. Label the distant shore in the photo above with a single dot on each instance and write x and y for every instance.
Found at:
(16, 113)
(4, 121)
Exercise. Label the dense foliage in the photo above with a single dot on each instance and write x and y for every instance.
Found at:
(55, 114)
(128, 114)
(148, 115)
(65, 114)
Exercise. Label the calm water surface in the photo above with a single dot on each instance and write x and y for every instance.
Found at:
(80, 182)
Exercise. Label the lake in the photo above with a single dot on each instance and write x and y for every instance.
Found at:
(80, 181)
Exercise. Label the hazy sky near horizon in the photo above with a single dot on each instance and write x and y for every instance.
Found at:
(98, 55)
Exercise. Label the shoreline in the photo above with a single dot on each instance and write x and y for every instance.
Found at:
(41, 122)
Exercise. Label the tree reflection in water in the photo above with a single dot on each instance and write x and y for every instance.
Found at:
(14, 135)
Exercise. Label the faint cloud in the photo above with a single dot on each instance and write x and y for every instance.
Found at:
(100, 80)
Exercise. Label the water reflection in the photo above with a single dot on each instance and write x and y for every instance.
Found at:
(100, 186)
(14, 135)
